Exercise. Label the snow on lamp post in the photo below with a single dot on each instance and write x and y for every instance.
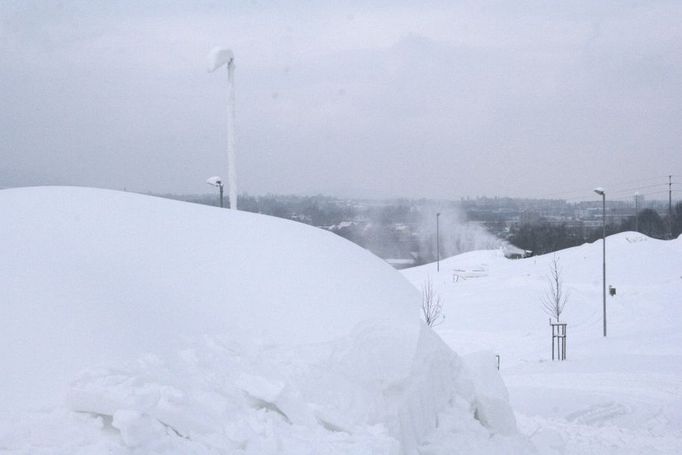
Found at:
(216, 59)
(600, 191)
(218, 182)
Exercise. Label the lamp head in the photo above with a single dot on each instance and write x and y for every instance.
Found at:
(218, 57)
(215, 181)
(600, 191)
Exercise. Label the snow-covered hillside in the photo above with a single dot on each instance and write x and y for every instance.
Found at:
(620, 394)
(133, 323)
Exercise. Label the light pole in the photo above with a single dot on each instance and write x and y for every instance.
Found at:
(217, 58)
(438, 242)
(600, 191)
(217, 181)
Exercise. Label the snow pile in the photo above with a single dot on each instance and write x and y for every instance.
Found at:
(137, 323)
(613, 395)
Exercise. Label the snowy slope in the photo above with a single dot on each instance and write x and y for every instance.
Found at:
(620, 394)
(137, 323)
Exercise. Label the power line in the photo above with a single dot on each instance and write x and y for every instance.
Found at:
(622, 197)
(658, 185)
(614, 190)
(651, 193)
(612, 184)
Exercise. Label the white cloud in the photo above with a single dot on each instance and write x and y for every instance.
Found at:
(437, 99)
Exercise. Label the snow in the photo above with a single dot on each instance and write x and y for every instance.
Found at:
(614, 395)
(215, 181)
(134, 324)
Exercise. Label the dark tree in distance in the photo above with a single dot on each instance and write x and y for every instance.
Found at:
(651, 224)
(677, 220)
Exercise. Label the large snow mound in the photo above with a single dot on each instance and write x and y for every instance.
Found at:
(137, 322)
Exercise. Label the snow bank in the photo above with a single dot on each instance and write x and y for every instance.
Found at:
(140, 323)
(613, 395)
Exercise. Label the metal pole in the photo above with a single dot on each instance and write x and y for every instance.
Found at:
(438, 242)
(231, 161)
(604, 255)
(217, 58)
(221, 195)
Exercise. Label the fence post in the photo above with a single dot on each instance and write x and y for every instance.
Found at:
(558, 333)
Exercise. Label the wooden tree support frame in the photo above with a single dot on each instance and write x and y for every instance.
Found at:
(558, 339)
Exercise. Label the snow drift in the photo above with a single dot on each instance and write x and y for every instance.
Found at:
(136, 322)
(614, 395)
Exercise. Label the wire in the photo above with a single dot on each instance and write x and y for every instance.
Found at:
(613, 184)
(613, 193)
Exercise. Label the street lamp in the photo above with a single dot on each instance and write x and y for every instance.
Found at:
(217, 181)
(438, 242)
(600, 191)
(217, 58)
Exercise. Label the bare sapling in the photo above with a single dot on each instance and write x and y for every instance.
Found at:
(432, 307)
(556, 296)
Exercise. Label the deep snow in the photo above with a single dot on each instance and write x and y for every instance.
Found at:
(614, 395)
(136, 324)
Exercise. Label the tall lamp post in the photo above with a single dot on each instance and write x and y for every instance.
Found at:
(600, 191)
(438, 242)
(218, 182)
(219, 57)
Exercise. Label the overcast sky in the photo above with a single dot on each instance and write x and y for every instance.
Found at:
(371, 99)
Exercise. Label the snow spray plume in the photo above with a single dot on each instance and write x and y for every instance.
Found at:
(457, 234)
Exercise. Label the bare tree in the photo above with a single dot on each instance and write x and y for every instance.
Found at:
(556, 296)
(432, 307)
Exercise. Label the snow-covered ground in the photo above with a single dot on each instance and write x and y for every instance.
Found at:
(616, 395)
(134, 324)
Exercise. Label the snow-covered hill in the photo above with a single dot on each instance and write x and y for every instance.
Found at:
(133, 323)
(620, 394)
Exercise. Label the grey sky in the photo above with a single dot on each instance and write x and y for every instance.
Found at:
(373, 99)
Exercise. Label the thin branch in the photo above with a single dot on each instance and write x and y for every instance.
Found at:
(556, 296)
(432, 307)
